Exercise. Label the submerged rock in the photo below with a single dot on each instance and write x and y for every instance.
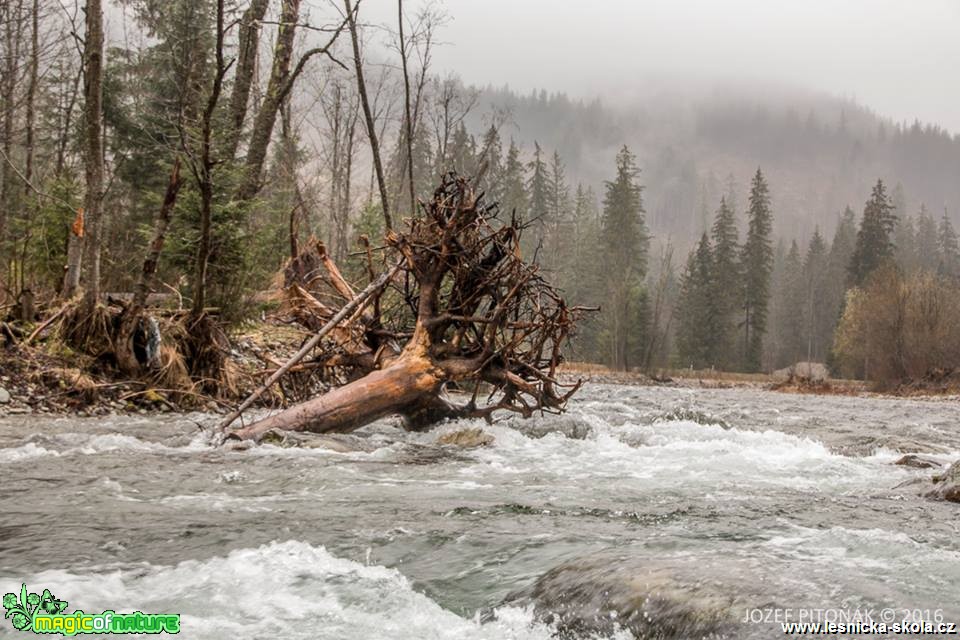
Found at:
(868, 445)
(466, 438)
(917, 462)
(685, 414)
(338, 443)
(599, 595)
(536, 427)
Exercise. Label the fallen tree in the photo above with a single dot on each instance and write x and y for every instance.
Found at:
(462, 309)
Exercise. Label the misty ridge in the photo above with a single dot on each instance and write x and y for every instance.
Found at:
(695, 146)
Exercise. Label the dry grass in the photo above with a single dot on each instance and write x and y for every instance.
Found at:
(71, 380)
(172, 372)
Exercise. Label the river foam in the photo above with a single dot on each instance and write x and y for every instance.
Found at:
(282, 590)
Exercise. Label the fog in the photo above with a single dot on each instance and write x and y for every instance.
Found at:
(898, 58)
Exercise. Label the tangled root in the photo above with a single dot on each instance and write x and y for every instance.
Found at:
(204, 346)
(86, 330)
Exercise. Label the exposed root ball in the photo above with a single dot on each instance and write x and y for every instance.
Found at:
(204, 346)
(86, 330)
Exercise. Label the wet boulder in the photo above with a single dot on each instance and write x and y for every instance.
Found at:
(466, 438)
(686, 414)
(338, 443)
(599, 595)
(915, 461)
(868, 445)
(570, 426)
(810, 371)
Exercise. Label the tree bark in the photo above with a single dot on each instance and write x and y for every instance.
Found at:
(407, 116)
(32, 92)
(272, 101)
(410, 380)
(204, 174)
(126, 358)
(13, 37)
(93, 140)
(71, 272)
(368, 115)
(248, 45)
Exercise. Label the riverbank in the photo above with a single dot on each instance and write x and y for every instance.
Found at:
(49, 378)
(937, 385)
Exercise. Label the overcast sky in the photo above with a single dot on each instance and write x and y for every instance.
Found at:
(900, 58)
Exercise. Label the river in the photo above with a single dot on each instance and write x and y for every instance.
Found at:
(734, 500)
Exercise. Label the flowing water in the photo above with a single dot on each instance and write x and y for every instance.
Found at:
(736, 500)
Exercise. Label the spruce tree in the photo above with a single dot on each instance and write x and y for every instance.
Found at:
(584, 280)
(538, 190)
(837, 273)
(695, 339)
(874, 240)
(726, 290)
(949, 250)
(756, 263)
(463, 152)
(789, 321)
(491, 151)
(514, 198)
(557, 239)
(625, 242)
(905, 243)
(927, 241)
(816, 319)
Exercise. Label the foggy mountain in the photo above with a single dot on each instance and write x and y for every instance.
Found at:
(820, 153)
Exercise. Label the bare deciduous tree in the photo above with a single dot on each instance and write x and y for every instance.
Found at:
(368, 113)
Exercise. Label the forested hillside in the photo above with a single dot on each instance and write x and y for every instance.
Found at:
(191, 148)
(823, 153)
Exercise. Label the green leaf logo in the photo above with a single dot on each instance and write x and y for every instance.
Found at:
(22, 609)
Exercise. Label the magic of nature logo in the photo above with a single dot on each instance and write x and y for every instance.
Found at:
(44, 613)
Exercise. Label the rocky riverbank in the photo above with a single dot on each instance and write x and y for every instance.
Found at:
(50, 378)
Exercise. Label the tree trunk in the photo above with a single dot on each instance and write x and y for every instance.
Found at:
(31, 94)
(204, 174)
(406, 111)
(93, 158)
(368, 115)
(71, 271)
(126, 357)
(272, 101)
(249, 43)
(13, 36)
(407, 382)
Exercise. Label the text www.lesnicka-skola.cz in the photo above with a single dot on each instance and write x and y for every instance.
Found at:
(905, 628)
